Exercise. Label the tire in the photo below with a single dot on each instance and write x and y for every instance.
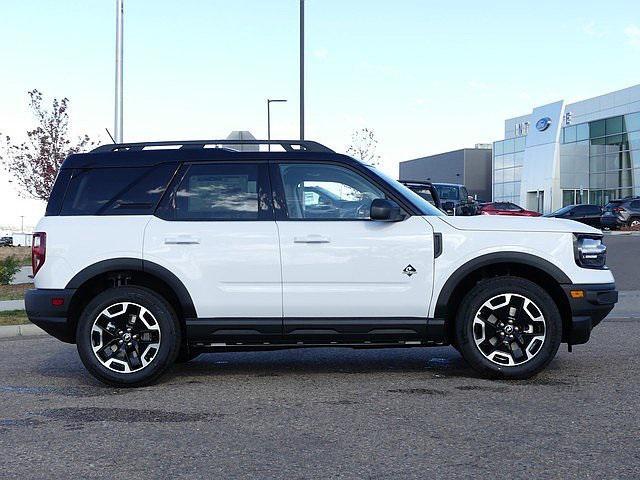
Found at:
(512, 310)
(633, 222)
(127, 361)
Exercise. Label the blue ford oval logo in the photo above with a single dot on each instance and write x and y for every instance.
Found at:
(543, 124)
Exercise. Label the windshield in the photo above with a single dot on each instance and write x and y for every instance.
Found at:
(447, 192)
(425, 207)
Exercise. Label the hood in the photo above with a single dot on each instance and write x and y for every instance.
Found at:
(518, 224)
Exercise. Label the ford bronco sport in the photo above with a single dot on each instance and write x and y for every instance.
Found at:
(152, 253)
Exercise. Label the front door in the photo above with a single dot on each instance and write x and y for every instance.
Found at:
(218, 235)
(345, 276)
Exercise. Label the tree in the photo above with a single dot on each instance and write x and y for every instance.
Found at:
(34, 163)
(363, 146)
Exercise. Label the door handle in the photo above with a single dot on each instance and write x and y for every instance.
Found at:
(312, 239)
(182, 240)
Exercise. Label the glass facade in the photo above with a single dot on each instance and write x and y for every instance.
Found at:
(600, 160)
(508, 158)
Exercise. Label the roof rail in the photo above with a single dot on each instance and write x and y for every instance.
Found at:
(288, 145)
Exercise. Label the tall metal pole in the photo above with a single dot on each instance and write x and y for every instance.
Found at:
(301, 69)
(118, 90)
(269, 124)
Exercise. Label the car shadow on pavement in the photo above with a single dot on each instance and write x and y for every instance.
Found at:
(320, 361)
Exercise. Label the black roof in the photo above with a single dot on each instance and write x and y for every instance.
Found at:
(153, 153)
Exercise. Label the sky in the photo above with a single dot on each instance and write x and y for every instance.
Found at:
(426, 76)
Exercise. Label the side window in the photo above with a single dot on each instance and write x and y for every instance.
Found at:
(594, 210)
(116, 191)
(582, 210)
(316, 191)
(635, 204)
(222, 191)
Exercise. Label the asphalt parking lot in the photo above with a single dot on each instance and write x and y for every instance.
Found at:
(331, 413)
(623, 257)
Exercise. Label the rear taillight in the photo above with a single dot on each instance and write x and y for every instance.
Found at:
(618, 209)
(38, 251)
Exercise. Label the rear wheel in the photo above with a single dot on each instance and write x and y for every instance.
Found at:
(128, 336)
(508, 327)
(634, 223)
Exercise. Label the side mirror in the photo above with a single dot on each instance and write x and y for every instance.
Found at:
(385, 210)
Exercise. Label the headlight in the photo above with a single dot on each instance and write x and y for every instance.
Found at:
(589, 251)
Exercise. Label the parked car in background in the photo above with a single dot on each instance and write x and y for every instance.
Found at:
(455, 199)
(6, 241)
(505, 208)
(426, 190)
(619, 213)
(584, 213)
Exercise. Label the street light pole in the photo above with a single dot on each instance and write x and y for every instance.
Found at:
(118, 90)
(301, 69)
(269, 101)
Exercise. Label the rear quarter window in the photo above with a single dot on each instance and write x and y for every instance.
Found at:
(116, 191)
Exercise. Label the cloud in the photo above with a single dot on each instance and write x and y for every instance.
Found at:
(632, 33)
(592, 29)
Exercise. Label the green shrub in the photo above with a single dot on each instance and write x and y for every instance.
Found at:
(8, 269)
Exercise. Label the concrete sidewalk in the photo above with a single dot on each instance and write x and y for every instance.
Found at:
(7, 305)
(23, 276)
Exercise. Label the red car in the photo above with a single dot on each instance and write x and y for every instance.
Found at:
(506, 208)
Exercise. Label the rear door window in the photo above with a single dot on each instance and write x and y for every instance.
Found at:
(116, 191)
(223, 191)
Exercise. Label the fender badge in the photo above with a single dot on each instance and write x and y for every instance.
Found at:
(409, 270)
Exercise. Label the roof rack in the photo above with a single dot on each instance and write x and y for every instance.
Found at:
(287, 145)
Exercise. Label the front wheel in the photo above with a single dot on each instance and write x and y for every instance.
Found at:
(128, 336)
(508, 327)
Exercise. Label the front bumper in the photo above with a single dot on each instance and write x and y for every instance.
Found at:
(52, 318)
(588, 310)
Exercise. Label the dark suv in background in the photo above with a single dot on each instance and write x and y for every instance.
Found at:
(6, 241)
(620, 213)
(426, 190)
(455, 199)
(584, 213)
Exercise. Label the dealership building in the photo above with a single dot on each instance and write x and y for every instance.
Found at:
(561, 154)
(468, 166)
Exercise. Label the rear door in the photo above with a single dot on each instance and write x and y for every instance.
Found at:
(216, 232)
(345, 276)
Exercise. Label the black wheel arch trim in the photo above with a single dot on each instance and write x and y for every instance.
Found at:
(137, 265)
(494, 259)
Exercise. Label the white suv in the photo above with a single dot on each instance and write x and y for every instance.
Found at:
(155, 252)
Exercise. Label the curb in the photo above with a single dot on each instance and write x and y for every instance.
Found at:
(616, 233)
(9, 331)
